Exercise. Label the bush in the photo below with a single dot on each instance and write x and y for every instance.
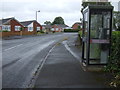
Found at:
(40, 31)
(71, 30)
(114, 61)
(5, 31)
(80, 33)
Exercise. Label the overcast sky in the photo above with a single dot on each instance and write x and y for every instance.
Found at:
(24, 10)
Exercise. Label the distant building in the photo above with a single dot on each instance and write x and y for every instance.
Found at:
(31, 26)
(77, 25)
(58, 27)
(55, 28)
(10, 25)
(46, 28)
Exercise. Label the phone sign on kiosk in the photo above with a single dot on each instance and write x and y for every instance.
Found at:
(96, 37)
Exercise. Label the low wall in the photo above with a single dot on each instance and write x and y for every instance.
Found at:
(6, 34)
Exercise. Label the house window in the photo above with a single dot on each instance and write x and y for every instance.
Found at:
(56, 29)
(6, 28)
(52, 29)
(38, 28)
(30, 28)
(17, 28)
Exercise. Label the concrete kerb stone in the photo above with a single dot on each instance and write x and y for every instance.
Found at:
(39, 67)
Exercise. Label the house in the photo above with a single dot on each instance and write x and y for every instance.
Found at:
(63, 26)
(58, 27)
(77, 25)
(31, 26)
(10, 25)
(46, 28)
(54, 28)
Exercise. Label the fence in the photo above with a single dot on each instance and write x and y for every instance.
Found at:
(6, 34)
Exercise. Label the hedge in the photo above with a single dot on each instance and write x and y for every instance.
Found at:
(40, 31)
(71, 30)
(114, 60)
(4, 31)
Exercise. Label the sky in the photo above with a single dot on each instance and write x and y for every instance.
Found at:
(25, 10)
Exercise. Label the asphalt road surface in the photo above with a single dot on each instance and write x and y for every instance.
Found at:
(21, 57)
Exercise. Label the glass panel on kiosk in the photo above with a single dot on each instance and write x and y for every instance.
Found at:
(85, 34)
(99, 37)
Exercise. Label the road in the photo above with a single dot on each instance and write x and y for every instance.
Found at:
(21, 57)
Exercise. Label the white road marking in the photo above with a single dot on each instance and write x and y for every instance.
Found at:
(13, 47)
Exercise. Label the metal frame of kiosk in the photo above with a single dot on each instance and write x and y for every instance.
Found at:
(96, 34)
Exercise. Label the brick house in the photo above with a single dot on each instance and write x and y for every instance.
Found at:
(58, 27)
(31, 26)
(46, 28)
(10, 25)
(77, 25)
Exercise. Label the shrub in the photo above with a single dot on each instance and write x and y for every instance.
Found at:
(114, 61)
(71, 30)
(5, 31)
(40, 31)
(80, 33)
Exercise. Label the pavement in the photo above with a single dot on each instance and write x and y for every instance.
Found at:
(62, 69)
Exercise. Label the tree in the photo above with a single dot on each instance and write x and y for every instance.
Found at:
(47, 22)
(58, 20)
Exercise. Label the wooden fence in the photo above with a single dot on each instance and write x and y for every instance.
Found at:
(6, 34)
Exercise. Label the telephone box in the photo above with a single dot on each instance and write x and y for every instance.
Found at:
(96, 37)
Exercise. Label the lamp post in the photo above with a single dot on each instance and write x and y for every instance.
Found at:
(36, 14)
